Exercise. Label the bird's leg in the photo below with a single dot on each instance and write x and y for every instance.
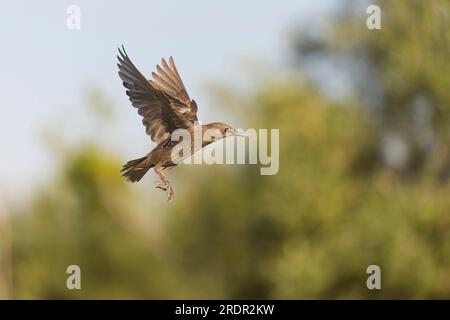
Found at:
(161, 176)
(167, 187)
(169, 191)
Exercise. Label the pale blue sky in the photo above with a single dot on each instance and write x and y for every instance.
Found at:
(47, 69)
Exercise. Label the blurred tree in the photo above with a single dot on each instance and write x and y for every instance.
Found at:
(311, 230)
(87, 218)
(400, 72)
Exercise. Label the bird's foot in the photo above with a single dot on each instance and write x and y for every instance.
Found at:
(165, 187)
(159, 185)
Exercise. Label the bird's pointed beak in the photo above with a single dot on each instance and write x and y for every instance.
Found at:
(239, 133)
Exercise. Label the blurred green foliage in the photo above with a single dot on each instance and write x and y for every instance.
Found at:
(335, 207)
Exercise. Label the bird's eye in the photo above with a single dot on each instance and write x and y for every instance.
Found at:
(226, 129)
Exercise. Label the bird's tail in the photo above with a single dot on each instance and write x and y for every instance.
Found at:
(135, 169)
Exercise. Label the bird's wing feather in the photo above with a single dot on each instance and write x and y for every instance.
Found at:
(161, 111)
(167, 79)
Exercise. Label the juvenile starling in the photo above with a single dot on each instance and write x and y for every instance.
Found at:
(165, 106)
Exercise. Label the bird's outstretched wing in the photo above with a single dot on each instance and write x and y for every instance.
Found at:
(167, 79)
(164, 108)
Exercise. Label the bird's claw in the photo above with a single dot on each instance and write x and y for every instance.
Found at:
(167, 188)
(161, 187)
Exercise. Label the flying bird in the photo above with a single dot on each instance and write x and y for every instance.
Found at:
(165, 106)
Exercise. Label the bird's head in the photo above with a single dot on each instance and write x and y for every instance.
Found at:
(223, 130)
